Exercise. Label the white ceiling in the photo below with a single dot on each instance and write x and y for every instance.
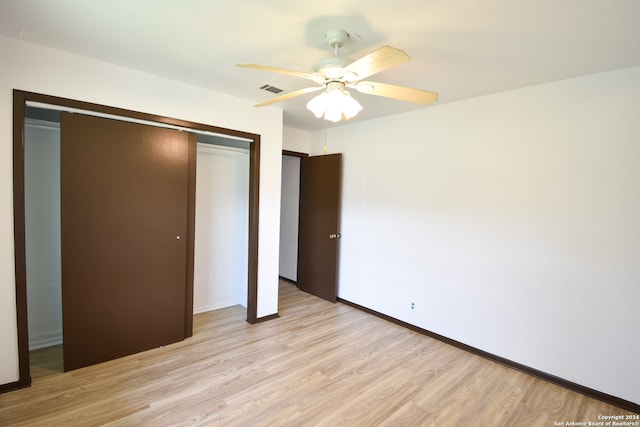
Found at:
(460, 48)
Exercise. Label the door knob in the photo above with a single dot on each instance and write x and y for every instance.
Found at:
(335, 236)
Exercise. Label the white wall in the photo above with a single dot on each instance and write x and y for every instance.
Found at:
(296, 140)
(512, 221)
(38, 69)
(42, 232)
(289, 210)
(221, 228)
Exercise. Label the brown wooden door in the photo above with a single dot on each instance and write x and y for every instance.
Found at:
(126, 240)
(319, 229)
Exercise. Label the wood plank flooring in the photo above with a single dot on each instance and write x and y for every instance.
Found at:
(319, 364)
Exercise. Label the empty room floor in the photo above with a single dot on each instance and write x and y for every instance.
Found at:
(318, 364)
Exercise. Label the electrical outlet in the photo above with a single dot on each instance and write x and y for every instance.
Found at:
(413, 306)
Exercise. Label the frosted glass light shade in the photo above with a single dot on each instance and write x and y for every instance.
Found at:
(335, 105)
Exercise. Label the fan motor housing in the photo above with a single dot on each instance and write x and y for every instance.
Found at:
(336, 37)
(331, 67)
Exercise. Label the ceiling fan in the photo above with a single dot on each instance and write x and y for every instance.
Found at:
(336, 73)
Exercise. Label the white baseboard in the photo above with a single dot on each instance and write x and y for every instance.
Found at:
(205, 308)
(45, 340)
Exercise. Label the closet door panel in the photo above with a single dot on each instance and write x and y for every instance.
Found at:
(125, 244)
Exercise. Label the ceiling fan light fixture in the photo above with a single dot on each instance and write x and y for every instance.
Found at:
(334, 104)
(333, 74)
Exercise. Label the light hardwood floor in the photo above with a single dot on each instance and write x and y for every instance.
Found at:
(319, 364)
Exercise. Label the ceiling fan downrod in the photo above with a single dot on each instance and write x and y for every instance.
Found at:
(336, 39)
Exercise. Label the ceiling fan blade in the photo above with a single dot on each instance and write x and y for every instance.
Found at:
(289, 95)
(379, 60)
(315, 77)
(396, 92)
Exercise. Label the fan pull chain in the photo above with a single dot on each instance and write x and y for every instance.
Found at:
(324, 149)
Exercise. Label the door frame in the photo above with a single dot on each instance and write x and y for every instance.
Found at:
(303, 157)
(20, 99)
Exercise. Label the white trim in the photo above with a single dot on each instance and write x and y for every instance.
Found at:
(129, 119)
(41, 124)
(45, 340)
(203, 147)
(212, 307)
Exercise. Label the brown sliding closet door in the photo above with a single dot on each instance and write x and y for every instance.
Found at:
(127, 237)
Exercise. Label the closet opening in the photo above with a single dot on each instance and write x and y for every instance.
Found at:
(37, 216)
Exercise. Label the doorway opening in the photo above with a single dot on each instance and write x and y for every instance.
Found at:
(245, 145)
(289, 216)
(310, 222)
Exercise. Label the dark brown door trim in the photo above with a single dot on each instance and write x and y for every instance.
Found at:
(294, 153)
(20, 98)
